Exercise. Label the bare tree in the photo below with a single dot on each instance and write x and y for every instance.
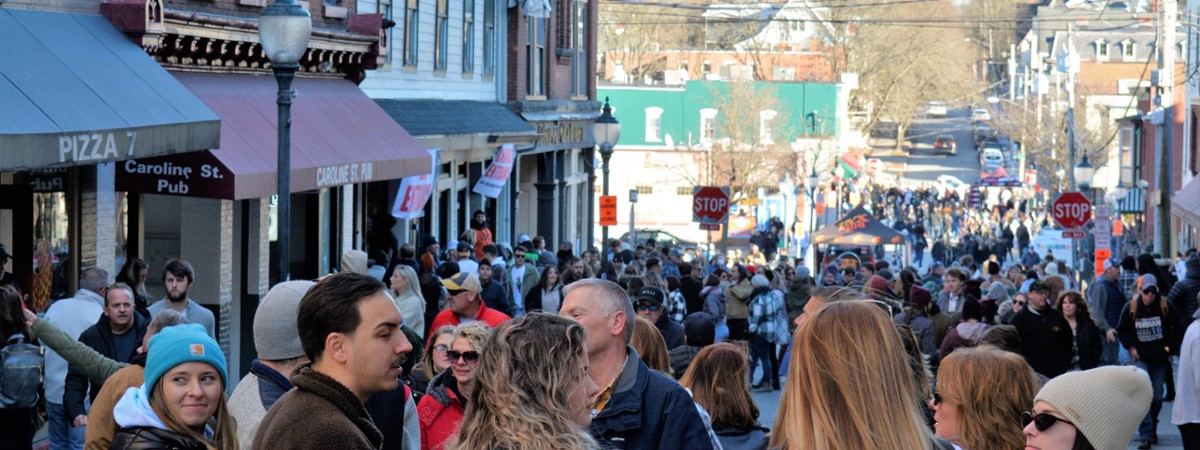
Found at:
(1045, 141)
(630, 36)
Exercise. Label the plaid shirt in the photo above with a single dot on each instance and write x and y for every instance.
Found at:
(676, 306)
(768, 317)
(1128, 280)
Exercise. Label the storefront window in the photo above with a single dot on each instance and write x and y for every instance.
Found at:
(52, 247)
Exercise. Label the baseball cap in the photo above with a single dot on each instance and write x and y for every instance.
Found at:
(1039, 286)
(462, 281)
(652, 294)
(1111, 264)
(1147, 281)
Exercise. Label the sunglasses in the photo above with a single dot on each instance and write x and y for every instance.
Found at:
(440, 348)
(470, 357)
(937, 398)
(1020, 303)
(648, 307)
(1042, 421)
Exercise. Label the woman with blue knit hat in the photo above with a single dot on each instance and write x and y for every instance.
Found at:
(182, 403)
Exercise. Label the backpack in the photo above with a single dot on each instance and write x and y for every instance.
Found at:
(21, 366)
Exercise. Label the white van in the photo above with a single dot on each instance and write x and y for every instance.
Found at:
(991, 159)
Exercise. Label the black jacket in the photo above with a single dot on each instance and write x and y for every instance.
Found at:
(1183, 293)
(494, 297)
(671, 331)
(151, 438)
(1089, 343)
(1155, 336)
(690, 288)
(100, 338)
(1046, 341)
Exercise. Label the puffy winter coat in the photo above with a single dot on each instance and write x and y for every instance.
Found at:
(151, 438)
(440, 411)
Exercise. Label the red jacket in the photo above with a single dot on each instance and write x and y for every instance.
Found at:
(440, 412)
(486, 315)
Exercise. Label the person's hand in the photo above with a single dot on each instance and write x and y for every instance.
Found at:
(80, 421)
(1133, 356)
(30, 317)
(1112, 335)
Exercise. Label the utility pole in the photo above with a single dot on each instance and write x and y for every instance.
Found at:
(1069, 63)
(1166, 81)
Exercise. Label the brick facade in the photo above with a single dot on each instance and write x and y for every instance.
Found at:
(558, 58)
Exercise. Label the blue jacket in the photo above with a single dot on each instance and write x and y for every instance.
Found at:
(648, 410)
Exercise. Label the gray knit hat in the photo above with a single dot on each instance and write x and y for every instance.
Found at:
(275, 334)
(1106, 404)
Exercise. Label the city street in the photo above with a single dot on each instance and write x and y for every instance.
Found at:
(920, 165)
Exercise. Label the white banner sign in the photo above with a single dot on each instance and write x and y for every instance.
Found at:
(493, 180)
(414, 193)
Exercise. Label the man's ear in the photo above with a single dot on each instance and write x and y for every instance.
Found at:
(337, 347)
(617, 323)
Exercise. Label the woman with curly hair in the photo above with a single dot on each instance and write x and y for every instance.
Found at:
(532, 390)
(441, 409)
(974, 412)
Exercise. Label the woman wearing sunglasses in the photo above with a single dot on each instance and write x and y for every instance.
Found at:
(441, 410)
(1096, 409)
(433, 361)
(973, 411)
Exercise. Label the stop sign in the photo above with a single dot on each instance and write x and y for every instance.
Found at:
(1071, 210)
(710, 204)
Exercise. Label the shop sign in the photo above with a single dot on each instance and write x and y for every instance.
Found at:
(95, 147)
(349, 173)
(493, 180)
(196, 174)
(414, 193)
(48, 180)
(555, 133)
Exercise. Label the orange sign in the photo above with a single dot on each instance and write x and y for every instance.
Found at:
(1118, 228)
(608, 210)
(820, 208)
(1101, 256)
(854, 223)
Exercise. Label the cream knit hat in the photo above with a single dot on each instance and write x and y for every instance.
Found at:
(1106, 404)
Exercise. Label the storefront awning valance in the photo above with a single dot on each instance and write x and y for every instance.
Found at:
(1186, 203)
(1132, 203)
(339, 136)
(75, 91)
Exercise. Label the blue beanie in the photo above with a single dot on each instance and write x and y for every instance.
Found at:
(180, 344)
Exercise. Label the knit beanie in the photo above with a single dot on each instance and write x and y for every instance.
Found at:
(759, 281)
(275, 334)
(878, 284)
(918, 297)
(177, 345)
(1106, 404)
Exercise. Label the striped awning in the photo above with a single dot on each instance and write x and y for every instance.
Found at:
(1134, 202)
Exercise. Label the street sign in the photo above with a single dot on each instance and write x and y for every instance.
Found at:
(608, 210)
(710, 204)
(710, 226)
(1073, 234)
(1102, 231)
(1101, 256)
(1071, 210)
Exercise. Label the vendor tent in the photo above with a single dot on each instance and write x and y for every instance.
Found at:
(858, 227)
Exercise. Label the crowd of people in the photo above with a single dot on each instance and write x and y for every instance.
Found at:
(486, 345)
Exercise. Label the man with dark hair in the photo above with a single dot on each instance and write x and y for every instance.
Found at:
(1047, 342)
(491, 291)
(464, 303)
(699, 331)
(408, 257)
(116, 335)
(545, 258)
(491, 253)
(951, 300)
(670, 265)
(350, 329)
(1106, 300)
(690, 286)
(177, 279)
(524, 280)
(651, 304)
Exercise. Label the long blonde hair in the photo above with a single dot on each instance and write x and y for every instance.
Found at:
(523, 388)
(224, 432)
(412, 285)
(849, 385)
(988, 411)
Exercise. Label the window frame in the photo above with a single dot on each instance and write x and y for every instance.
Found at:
(468, 50)
(654, 124)
(1128, 50)
(708, 125)
(535, 58)
(766, 126)
(412, 32)
(489, 37)
(1102, 50)
(441, 34)
(579, 61)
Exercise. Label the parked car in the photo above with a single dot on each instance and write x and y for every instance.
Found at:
(935, 109)
(991, 159)
(944, 145)
(980, 115)
(660, 238)
(983, 133)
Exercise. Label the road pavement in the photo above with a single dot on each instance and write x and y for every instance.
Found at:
(919, 164)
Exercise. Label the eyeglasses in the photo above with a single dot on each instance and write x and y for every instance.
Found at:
(440, 348)
(1020, 303)
(648, 307)
(1042, 421)
(469, 357)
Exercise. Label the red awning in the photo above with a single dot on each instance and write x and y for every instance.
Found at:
(1185, 204)
(339, 136)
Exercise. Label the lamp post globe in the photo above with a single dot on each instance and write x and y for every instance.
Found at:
(606, 130)
(1084, 172)
(283, 30)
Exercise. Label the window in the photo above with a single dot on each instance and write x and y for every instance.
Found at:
(708, 125)
(1127, 49)
(645, 190)
(579, 62)
(684, 190)
(441, 34)
(411, 21)
(654, 124)
(1127, 157)
(468, 43)
(384, 7)
(766, 126)
(536, 54)
(489, 37)
(1102, 49)
(706, 67)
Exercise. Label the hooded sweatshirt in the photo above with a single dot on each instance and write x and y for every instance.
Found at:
(354, 261)
(140, 424)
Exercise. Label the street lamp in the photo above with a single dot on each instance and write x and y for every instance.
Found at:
(786, 188)
(813, 180)
(606, 130)
(283, 29)
(1084, 172)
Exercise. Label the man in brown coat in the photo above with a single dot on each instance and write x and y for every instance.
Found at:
(350, 330)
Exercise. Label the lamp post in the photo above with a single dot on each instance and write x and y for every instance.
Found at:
(813, 180)
(283, 29)
(786, 188)
(606, 130)
(1084, 172)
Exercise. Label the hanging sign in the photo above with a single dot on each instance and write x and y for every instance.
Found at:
(493, 180)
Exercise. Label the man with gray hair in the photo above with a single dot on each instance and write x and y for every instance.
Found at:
(72, 316)
(637, 408)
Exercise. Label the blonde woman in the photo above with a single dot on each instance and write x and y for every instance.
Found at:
(406, 292)
(441, 410)
(850, 385)
(973, 411)
(532, 390)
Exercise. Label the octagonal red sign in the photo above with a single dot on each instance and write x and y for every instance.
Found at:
(1071, 210)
